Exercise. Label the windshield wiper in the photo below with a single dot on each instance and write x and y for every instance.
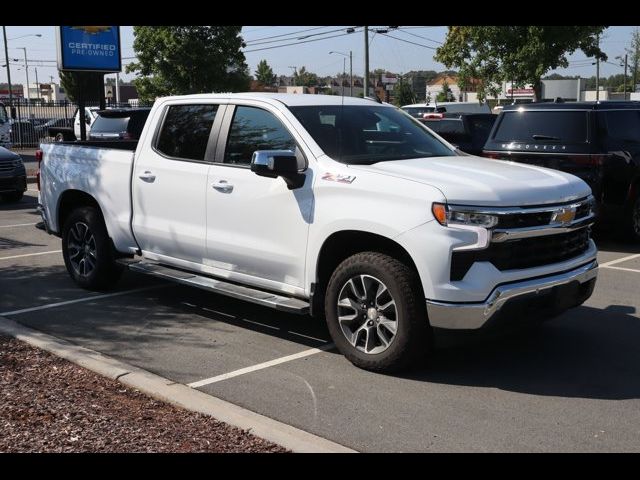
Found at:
(544, 137)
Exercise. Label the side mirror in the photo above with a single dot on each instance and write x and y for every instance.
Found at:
(278, 163)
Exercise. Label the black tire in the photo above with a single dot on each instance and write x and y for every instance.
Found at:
(105, 272)
(413, 337)
(633, 220)
(13, 196)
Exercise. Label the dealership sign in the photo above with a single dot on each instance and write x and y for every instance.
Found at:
(89, 48)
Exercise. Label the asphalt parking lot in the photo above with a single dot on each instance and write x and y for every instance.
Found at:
(571, 384)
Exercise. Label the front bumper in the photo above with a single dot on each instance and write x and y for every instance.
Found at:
(532, 297)
(17, 183)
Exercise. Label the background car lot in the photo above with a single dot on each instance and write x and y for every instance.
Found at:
(568, 385)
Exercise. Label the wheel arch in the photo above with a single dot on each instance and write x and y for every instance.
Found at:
(342, 244)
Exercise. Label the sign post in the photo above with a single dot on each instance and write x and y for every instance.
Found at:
(89, 49)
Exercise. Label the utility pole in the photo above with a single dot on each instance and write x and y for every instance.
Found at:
(598, 71)
(351, 73)
(625, 76)
(37, 83)
(6, 56)
(26, 69)
(295, 75)
(366, 61)
(117, 88)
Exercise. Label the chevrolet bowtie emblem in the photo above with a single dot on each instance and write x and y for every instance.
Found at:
(563, 216)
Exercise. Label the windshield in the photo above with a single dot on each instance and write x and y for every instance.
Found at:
(368, 134)
(110, 125)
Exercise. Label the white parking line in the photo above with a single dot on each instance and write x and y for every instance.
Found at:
(261, 324)
(624, 269)
(308, 336)
(261, 366)
(30, 254)
(620, 260)
(18, 225)
(78, 300)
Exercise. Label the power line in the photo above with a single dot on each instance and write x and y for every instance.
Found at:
(407, 41)
(284, 34)
(299, 43)
(419, 36)
(299, 38)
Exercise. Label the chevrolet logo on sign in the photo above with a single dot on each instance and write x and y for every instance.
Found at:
(564, 216)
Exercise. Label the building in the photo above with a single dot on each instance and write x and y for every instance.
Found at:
(127, 93)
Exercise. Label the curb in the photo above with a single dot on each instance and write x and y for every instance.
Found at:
(178, 394)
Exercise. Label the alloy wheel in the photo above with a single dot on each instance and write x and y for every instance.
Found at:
(82, 249)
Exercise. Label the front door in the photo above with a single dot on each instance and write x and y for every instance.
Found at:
(256, 227)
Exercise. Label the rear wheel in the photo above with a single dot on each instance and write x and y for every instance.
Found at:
(633, 220)
(13, 196)
(376, 313)
(87, 251)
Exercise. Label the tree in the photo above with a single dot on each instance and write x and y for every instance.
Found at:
(634, 57)
(305, 78)
(403, 93)
(522, 54)
(178, 60)
(90, 83)
(445, 94)
(264, 74)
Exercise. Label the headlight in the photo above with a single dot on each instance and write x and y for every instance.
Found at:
(451, 215)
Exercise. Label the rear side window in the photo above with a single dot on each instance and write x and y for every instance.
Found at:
(543, 127)
(185, 131)
(446, 126)
(621, 125)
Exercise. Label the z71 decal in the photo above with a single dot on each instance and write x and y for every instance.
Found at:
(332, 177)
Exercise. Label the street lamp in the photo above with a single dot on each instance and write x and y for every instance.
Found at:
(350, 69)
(6, 56)
(625, 74)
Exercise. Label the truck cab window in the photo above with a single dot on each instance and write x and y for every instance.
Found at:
(255, 129)
(185, 131)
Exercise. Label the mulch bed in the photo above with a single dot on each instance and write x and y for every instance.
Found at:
(48, 404)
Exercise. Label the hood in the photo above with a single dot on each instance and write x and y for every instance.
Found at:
(481, 181)
(8, 154)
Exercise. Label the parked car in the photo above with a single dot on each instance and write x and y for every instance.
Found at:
(119, 124)
(13, 176)
(62, 134)
(420, 110)
(597, 141)
(43, 129)
(24, 133)
(316, 203)
(466, 131)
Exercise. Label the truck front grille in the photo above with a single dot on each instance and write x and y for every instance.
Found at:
(523, 253)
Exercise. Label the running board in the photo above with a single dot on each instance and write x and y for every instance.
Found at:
(267, 299)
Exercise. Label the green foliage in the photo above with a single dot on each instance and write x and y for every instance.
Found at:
(264, 74)
(520, 53)
(305, 78)
(403, 94)
(634, 57)
(179, 60)
(91, 83)
(445, 94)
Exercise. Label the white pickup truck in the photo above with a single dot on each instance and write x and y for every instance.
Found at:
(324, 205)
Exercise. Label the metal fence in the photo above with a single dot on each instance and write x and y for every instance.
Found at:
(30, 122)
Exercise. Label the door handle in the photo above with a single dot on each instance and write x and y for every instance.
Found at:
(223, 186)
(148, 177)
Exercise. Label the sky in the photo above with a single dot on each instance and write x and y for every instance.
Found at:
(394, 54)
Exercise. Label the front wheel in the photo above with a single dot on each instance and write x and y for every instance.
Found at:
(87, 251)
(376, 313)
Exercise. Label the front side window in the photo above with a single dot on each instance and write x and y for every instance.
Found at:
(185, 131)
(255, 129)
(368, 134)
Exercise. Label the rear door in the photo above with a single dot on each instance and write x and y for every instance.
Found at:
(170, 183)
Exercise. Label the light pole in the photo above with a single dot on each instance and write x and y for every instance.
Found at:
(350, 69)
(625, 74)
(295, 75)
(6, 56)
(26, 68)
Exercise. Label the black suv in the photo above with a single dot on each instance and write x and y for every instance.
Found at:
(466, 131)
(596, 141)
(119, 124)
(13, 176)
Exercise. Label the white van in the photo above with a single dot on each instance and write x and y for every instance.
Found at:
(418, 110)
(5, 127)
